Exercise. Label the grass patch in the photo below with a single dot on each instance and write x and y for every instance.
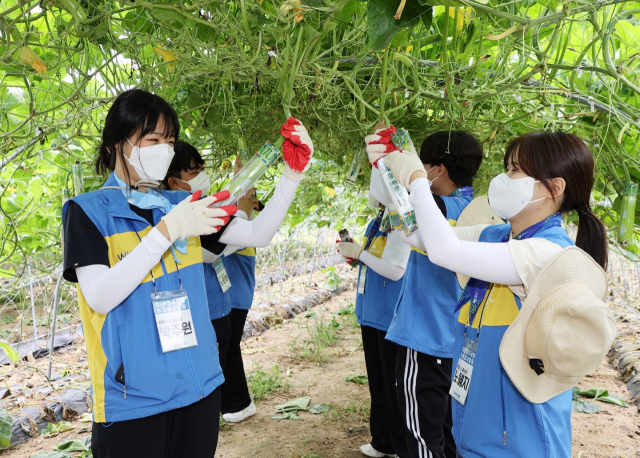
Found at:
(262, 383)
(320, 335)
(358, 411)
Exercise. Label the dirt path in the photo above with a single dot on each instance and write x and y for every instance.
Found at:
(340, 431)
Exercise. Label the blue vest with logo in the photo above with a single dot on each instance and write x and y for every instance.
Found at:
(375, 307)
(155, 381)
(241, 267)
(496, 420)
(424, 319)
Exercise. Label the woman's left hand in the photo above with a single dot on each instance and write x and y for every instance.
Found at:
(297, 148)
(404, 165)
(350, 249)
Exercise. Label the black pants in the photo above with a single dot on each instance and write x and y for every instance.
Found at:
(222, 326)
(386, 421)
(188, 431)
(423, 394)
(235, 393)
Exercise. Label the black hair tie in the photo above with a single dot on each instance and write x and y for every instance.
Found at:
(584, 210)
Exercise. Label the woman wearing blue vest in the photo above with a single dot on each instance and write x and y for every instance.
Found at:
(422, 324)
(136, 254)
(383, 260)
(547, 174)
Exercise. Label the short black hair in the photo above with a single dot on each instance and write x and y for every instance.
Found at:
(134, 112)
(459, 151)
(186, 158)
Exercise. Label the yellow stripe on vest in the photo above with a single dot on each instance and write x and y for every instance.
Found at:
(92, 323)
(247, 252)
(499, 310)
(120, 245)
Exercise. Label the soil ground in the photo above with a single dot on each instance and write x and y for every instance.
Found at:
(338, 433)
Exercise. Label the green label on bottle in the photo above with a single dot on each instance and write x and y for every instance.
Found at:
(269, 154)
(402, 140)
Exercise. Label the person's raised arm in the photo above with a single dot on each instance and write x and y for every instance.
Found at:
(297, 151)
(490, 262)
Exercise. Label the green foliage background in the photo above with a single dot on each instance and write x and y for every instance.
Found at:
(236, 69)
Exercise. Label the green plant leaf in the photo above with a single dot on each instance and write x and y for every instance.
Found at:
(598, 394)
(301, 403)
(318, 408)
(6, 423)
(383, 26)
(585, 407)
(9, 351)
(74, 445)
(360, 379)
(51, 455)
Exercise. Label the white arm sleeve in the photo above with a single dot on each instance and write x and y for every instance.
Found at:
(490, 262)
(104, 287)
(208, 257)
(260, 231)
(413, 240)
(394, 258)
(230, 249)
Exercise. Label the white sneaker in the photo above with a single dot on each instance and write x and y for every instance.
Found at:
(245, 413)
(368, 450)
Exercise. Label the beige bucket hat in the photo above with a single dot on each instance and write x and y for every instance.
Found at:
(563, 330)
(477, 212)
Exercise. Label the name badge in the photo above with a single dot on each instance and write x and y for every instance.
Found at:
(362, 279)
(221, 273)
(173, 319)
(464, 369)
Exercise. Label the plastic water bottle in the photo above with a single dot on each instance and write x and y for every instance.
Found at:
(402, 215)
(354, 170)
(252, 171)
(78, 182)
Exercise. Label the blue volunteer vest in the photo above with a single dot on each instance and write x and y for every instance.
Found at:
(496, 420)
(155, 382)
(375, 307)
(241, 267)
(424, 319)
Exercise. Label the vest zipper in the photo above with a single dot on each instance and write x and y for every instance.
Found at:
(125, 391)
(504, 411)
(193, 373)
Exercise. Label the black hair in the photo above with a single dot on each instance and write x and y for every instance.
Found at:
(547, 155)
(459, 151)
(134, 112)
(186, 158)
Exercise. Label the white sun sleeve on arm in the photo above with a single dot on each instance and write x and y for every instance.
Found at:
(490, 262)
(394, 258)
(259, 232)
(104, 287)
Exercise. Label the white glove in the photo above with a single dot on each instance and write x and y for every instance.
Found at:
(297, 149)
(193, 219)
(379, 145)
(403, 165)
(350, 249)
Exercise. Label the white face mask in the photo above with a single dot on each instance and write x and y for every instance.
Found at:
(201, 182)
(431, 181)
(509, 196)
(151, 162)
